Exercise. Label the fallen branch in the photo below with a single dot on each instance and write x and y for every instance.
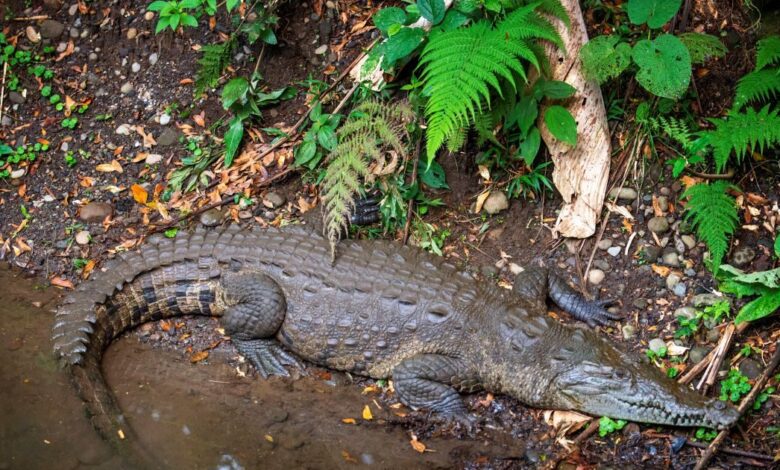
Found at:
(2, 89)
(698, 368)
(732, 451)
(32, 18)
(743, 407)
(708, 379)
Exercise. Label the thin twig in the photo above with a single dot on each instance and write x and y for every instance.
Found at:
(698, 368)
(346, 98)
(732, 451)
(708, 380)
(410, 210)
(743, 407)
(712, 176)
(2, 89)
(591, 430)
(32, 18)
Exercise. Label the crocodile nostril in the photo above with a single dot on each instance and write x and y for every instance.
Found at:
(720, 405)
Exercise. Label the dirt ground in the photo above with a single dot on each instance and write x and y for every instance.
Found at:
(118, 66)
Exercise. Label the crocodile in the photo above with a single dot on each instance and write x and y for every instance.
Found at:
(380, 310)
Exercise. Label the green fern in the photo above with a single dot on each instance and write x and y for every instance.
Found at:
(462, 66)
(457, 139)
(371, 128)
(702, 47)
(713, 212)
(215, 59)
(767, 52)
(761, 85)
(675, 128)
(740, 132)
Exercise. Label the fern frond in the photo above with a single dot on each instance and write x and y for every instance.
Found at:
(702, 47)
(675, 128)
(215, 59)
(767, 52)
(456, 139)
(713, 212)
(740, 132)
(371, 128)
(462, 67)
(761, 85)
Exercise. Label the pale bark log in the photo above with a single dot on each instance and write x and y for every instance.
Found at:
(581, 172)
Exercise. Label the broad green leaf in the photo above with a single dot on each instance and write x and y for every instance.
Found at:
(763, 306)
(401, 45)
(529, 148)
(453, 20)
(157, 6)
(306, 152)
(655, 13)
(174, 21)
(162, 23)
(466, 6)
(777, 244)
(432, 175)
(190, 4)
(233, 138)
(554, 89)
(231, 4)
(432, 10)
(664, 66)
(387, 17)
(234, 90)
(561, 124)
(327, 138)
(524, 114)
(702, 47)
(189, 20)
(264, 99)
(770, 278)
(604, 57)
(268, 36)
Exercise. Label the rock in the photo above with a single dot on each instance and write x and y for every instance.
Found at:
(656, 345)
(689, 241)
(600, 264)
(126, 88)
(680, 290)
(211, 217)
(16, 97)
(742, 256)
(165, 118)
(275, 199)
(168, 138)
(95, 212)
(135, 67)
(123, 129)
(664, 191)
(628, 331)
(51, 29)
(663, 203)
(153, 159)
(697, 353)
(604, 244)
(672, 280)
(595, 276)
(83, 237)
(93, 57)
(149, 15)
(650, 253)
(671, 258)
(73, 33)
(132, 33)
(713, 335)
(626, 194)
(321, 50)
(488, 270)
(685, 312)
(705, 300)
(153, 57)
(6, 121)
(640, 303)
(32, 35)
(658, 225)
(614, 251)
(495, 203)
(750, 368)
(679, 246)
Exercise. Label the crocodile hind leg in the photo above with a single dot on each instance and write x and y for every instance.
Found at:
(432, 381)
(255, 311)
(537, 283)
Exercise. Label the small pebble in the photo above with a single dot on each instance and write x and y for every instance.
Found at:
(680, 290)
(626, 194)
(136, 67)
(93, 57)
(604, 244)
(628, 331)
(321, 50)
(672, 280)
(153, 58)
(495, 203)
(83, 237)
(640, 303)
(165, 118)
(656, 345)
(685, 312)
(614, 251)
(132, 33)
(689, 241)
(595, 276)
(153, 159)
(658, 225)
(671, 258)
(126, 88)
(211, 217)
(149, 15)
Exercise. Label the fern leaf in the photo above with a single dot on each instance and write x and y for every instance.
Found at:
(215, 59)
(456, 139)
(713, 212)
(761, 85)
(740, 132)
(767, 52)
(675, 128)
(462, 67)
(370, 128)
(702, 47)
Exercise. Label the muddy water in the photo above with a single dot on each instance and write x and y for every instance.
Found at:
(193, 416)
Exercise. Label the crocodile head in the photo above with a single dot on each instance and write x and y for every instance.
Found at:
(636, 391)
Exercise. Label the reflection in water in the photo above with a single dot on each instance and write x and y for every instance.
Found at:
(189, 416)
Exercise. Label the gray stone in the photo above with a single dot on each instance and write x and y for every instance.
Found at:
(640, 303)
(685, 312)
(680, 290)
(168, 138)
(16, 97)
(93, 57)
(650, 253)
(614, 251)
(165, 118)
(628, 331)
(321, 50)
(626, 194)
(685, 227)
(664, 191)
(697, 353)
(83, 237)
(679, 245)
(135, 67)
(51, 29)
(742, 256)
(656, 345)
(153, 57)
(596, 276)
(713, 335)
(707, 299)
(604, 244)
(211, 217)
(123, 129)
(95, 212)
(750, 368)
(74, 33)
(153, 159)
(658, 225)
(601, 264)
(275, 199)
(496, 202)
(672, 280)
(689, 241)
(126, 88)
(6, 121)
(663, 203)
(489, 270)
(671, 258)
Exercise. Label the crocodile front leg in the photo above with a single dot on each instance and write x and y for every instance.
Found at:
(432, 381)
(537, 283)
(256, 310)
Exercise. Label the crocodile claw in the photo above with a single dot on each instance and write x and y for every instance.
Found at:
(594, 313)
(366, 210)
(267, 356)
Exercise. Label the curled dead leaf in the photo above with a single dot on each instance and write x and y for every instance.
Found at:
(662, 271)
(417, 445)
(60, 282)
(480, 201)
(139, 193)
(109, 167)
(199, 356)
(348, 421)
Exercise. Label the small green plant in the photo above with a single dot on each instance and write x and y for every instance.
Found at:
(70, 159)
(734, 387)
(713, 212)
(200, 156)
(704, 434)
(672, 372)
(764, 285)
(688, 327)
(171, 232)
(428, 237)
(25, 154)
(79, 263)
(319, 139)
(763, 397)
(608, 425)
(174, 13)
(70, 123)
(662, 62)
(655, 355)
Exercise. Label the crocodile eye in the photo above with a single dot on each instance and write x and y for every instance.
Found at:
(719, 405)
(621, 374)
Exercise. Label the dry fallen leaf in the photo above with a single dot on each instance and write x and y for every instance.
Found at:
(199, 356)
(348, 457)
(565, 422)
(348, 421)
(417, 445)
(109, 167)
(139, 193)
(200, 119)
(60, 282)
(269, 438)
(480, 201)
(88, 269)
(662, 271)
(367, 413)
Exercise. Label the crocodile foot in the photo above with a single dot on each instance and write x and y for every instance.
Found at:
(268, 356)
(366, 210)
(460, 417)
(594, 312)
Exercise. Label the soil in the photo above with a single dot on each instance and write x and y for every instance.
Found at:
(218, 399)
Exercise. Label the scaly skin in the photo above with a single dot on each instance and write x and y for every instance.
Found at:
(381, 310)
